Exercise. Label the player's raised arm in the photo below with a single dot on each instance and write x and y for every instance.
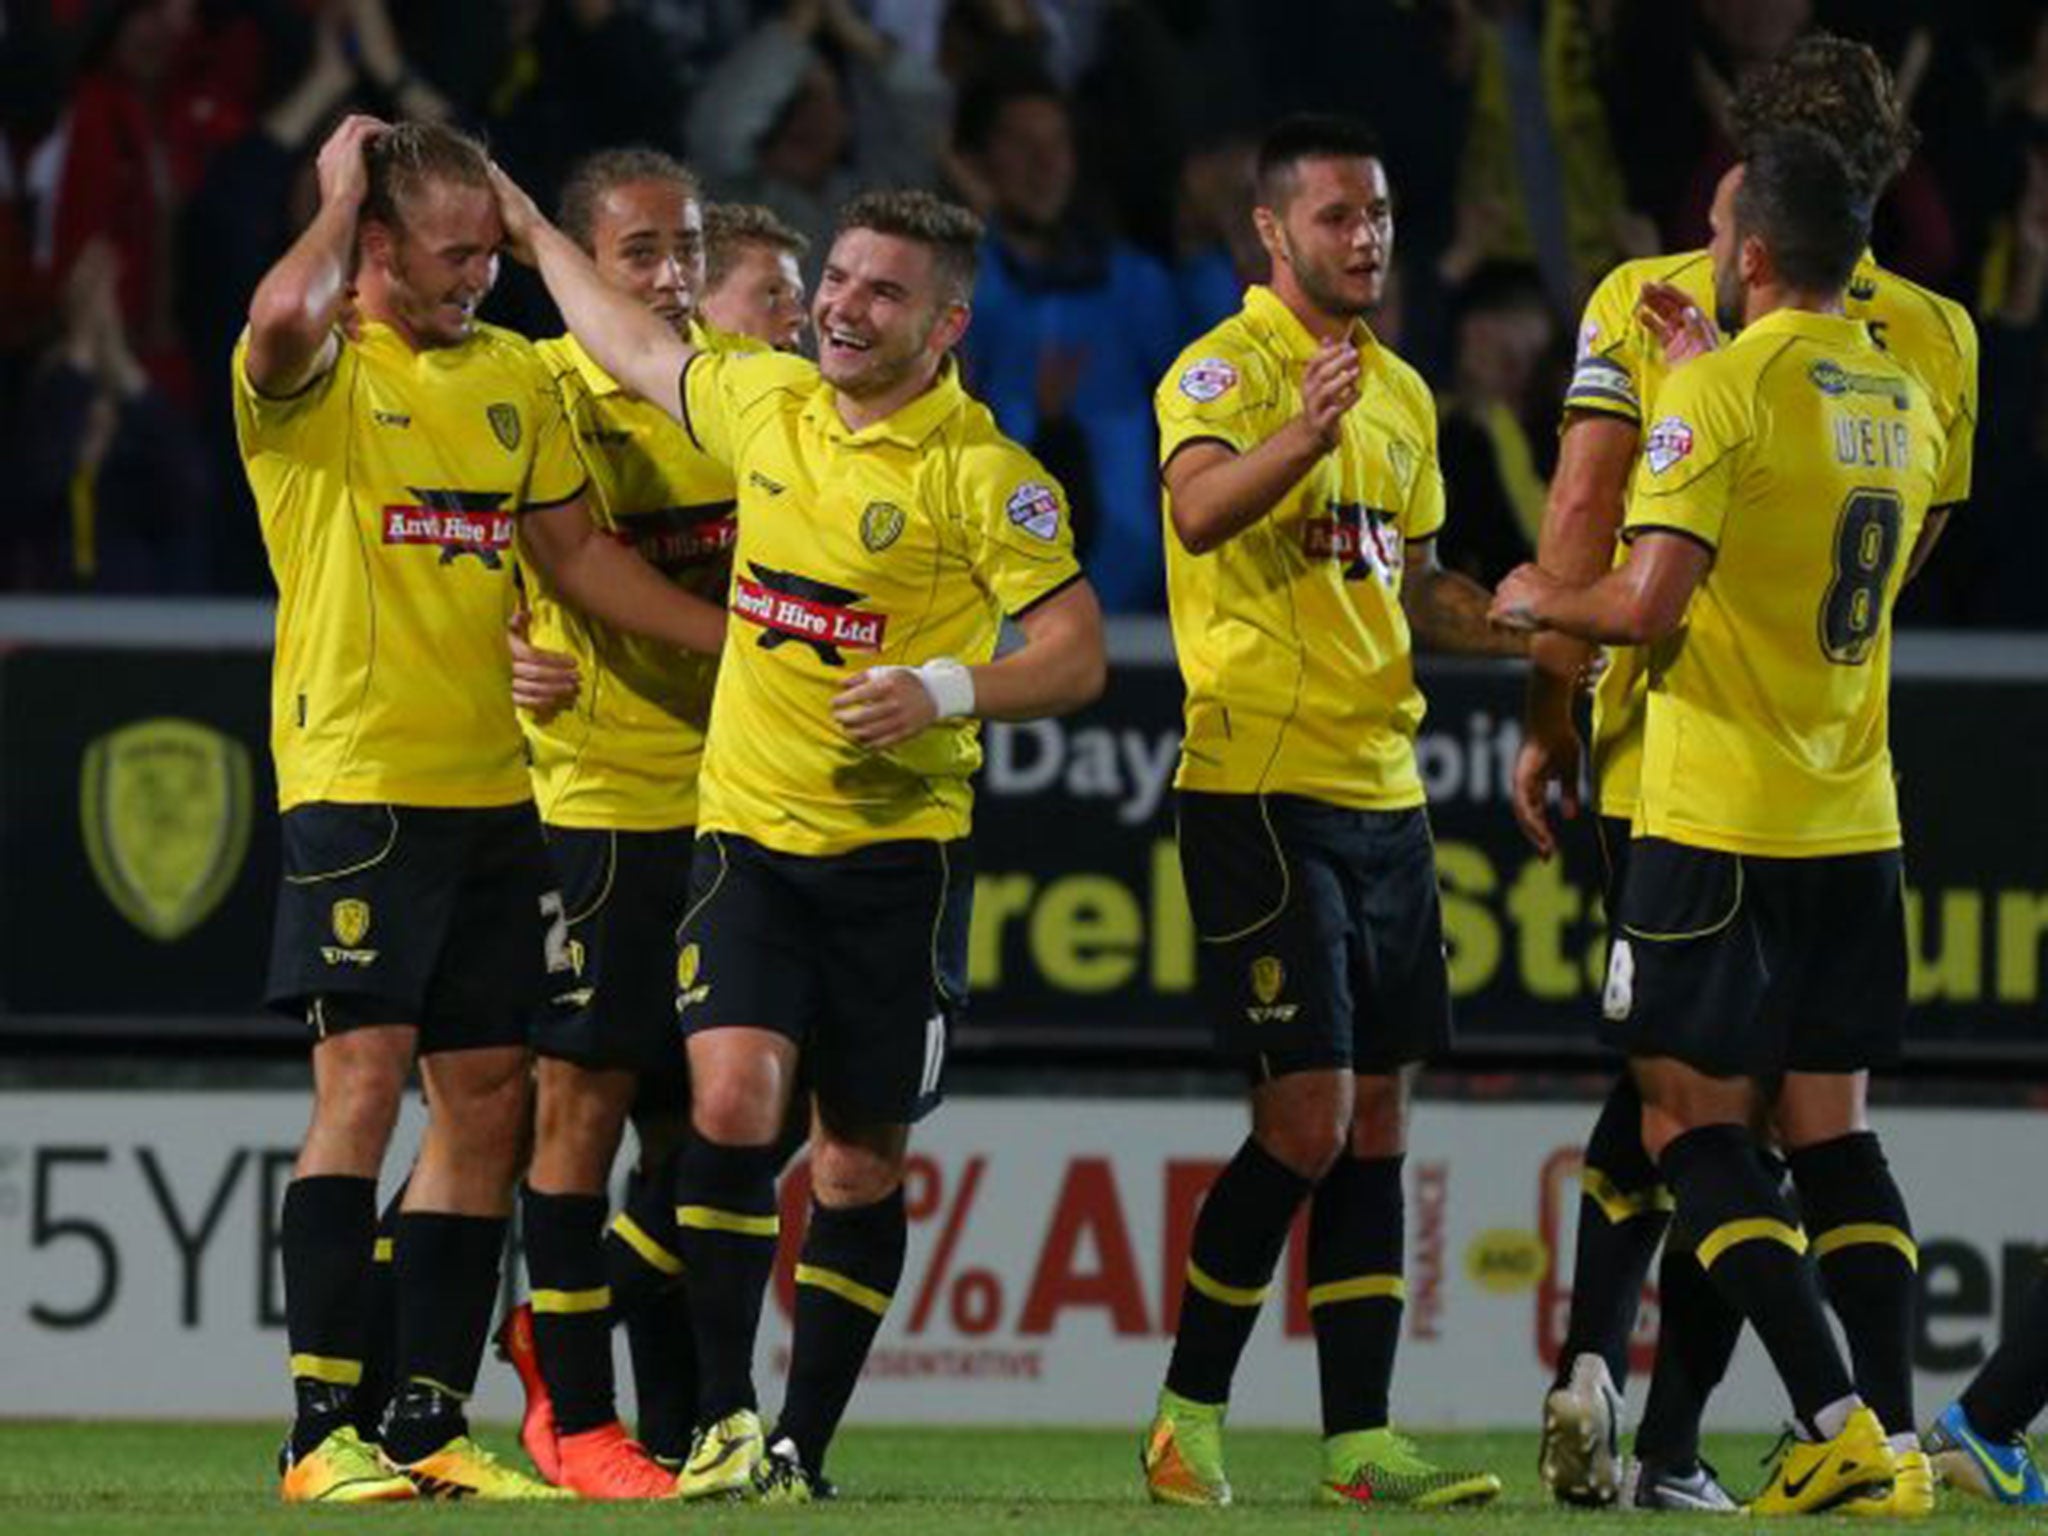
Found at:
(293, 313)
(1214, 493)
(1060, 667)
(627, 339)
(608, 581)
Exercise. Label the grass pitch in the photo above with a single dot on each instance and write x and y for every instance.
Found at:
(127, 1479)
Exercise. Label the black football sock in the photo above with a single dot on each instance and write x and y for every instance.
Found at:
(380, 1312)
(572, 1326)
(2012, 1388)
(642, 1253)
(447, 1274)
(1236, 1246)
(1355, 1291)
(1869, 1264)
(1753, 1250)
(1623, 1211)
(328, 1231)
(644, 1265)
(727, 1225)
(851, 1262)
(663, 1349)
(1696, 1336)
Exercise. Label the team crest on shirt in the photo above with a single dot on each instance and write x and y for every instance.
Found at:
(1669, 442)
(1035, 507)
(1401, 459)
(504, 420)
(1206, 380)
(881, 524)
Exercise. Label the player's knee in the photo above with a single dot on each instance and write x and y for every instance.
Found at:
(485, 1123)
(358, 1108)
(735, 1113)
(847, 1176)
(1379, 1121)
(1309, 1149)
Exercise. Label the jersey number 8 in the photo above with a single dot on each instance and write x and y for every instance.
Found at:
(1866, 549)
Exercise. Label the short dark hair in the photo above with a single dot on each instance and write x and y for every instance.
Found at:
(1838, 88)
(595, 175)
(1306, 136)
(1799, 196)
(730, 228)
(982, 103)
(400, 161)
(948, 231)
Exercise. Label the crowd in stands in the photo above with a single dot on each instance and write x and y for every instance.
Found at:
(156, 156)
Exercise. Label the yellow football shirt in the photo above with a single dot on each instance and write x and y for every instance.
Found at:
(1621, 368)
(624, 757)
(389, 490)
(1291, 638)
(1805, 458)
(908, 540)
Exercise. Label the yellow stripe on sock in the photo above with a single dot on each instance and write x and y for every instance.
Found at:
(1358, 1288)
(1866, 1233)
(635, 1237)
(709, 1218)
(564, 1303)
(1229, 1295)
(440, 1386)
(381, 1253)
(1617, 1204)
(866, 1297)
(1728, 1234)
(340, 1373)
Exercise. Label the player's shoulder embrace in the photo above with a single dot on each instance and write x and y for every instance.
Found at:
(753, 376)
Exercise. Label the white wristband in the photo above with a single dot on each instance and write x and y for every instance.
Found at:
(950, 685)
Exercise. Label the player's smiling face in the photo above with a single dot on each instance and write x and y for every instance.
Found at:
(440, 264)
(1334, 239)
(647, 239)
(883, 322)
(762, 296)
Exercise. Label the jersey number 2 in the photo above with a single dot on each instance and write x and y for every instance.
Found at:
(1866, 549)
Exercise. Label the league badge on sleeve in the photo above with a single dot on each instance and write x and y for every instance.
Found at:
(1206, 380)
(1035, 507)
(1669, 442)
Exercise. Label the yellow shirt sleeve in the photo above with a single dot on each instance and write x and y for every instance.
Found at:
(1604, 375)
(1020, 529)
(269, 421)
(557, 474)
(1212, 393)
(721, 389)
(1959, 452)
(1692, 453)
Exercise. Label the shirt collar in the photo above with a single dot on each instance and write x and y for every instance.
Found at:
(1834, 330)
(909, 425)
(1271, 313)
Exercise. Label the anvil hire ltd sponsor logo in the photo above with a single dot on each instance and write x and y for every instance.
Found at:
(459, 522)
(815, 613)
